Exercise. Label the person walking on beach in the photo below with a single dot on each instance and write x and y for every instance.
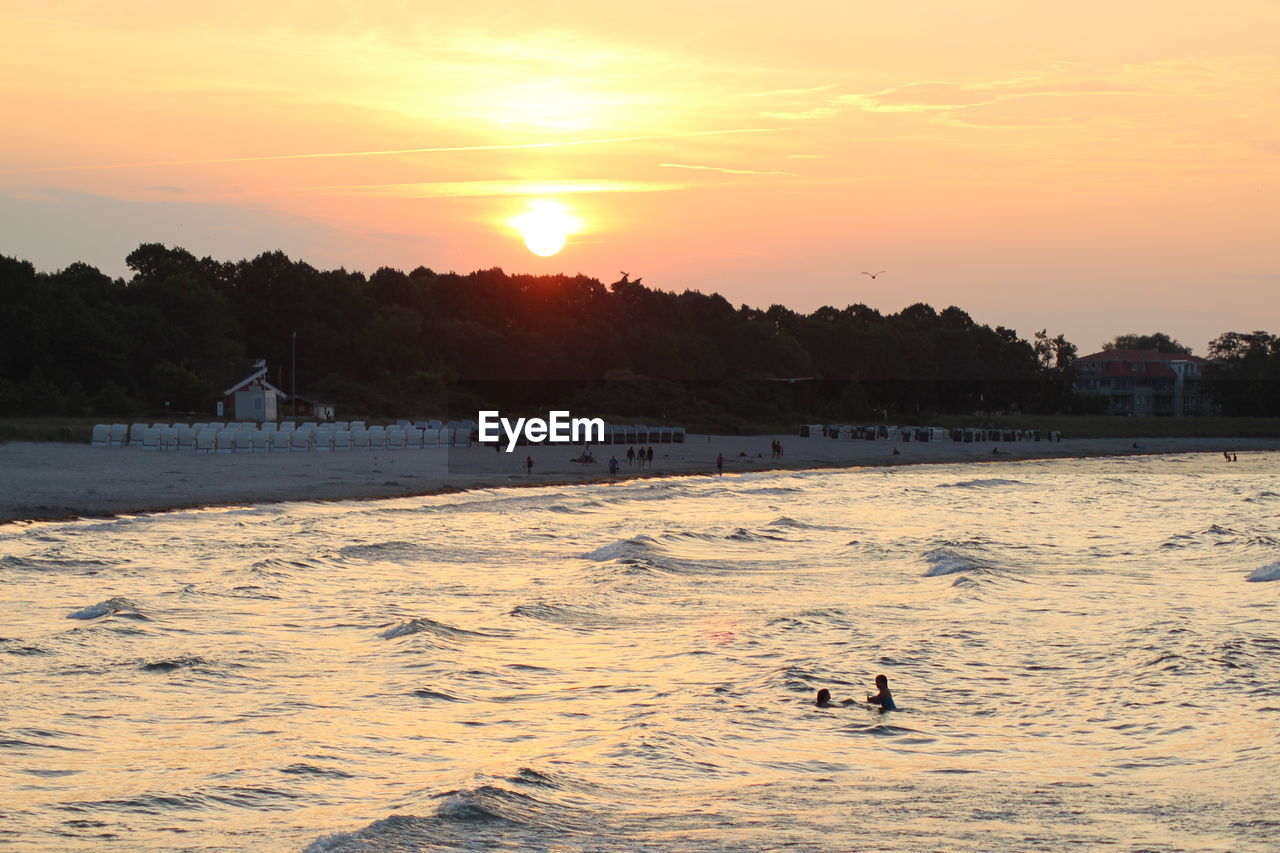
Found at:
(720, 464)
(528, 465)
(649, 458)
(631, 456)
(613, 468)
(884, 698)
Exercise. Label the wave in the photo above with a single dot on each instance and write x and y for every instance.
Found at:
(1264, 574)
(111, 607)
(180, 662)
(635, 547)
(568, 615)
(984, 483)
(423, 625)
(943, 562)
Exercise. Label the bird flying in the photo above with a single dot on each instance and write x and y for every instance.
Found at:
(874, 274)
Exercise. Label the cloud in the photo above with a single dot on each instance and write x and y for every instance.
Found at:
(481, 189)
(946, 98)
(724, 170)
(612, 140)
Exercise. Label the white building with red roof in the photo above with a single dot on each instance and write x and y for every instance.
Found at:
(1144, 382)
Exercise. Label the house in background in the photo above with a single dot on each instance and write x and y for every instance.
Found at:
(311, 406)
(1145, 382)
(252, 398)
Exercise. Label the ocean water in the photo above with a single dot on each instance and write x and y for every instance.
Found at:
(1086, 655)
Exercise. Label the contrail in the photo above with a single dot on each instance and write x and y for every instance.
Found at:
(528, 145)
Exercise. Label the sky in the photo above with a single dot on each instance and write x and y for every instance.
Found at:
(1090, 168)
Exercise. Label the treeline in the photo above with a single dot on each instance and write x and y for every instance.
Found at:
(181, 330)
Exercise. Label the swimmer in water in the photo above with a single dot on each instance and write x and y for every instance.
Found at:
(884, 698)
(824, 699)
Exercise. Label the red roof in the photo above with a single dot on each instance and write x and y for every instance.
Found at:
(1138, 355)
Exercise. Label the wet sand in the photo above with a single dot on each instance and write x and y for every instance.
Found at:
(53, 481)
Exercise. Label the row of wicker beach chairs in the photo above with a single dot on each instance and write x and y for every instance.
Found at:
(267, 438)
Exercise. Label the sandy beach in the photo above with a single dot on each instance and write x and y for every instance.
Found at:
(41, 481)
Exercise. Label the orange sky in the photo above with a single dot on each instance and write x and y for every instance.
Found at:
(1091, 167)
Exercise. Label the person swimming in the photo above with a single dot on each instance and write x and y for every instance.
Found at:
(824, 699)
(884, 698)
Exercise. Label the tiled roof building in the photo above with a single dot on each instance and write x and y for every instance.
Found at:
(1144, 382)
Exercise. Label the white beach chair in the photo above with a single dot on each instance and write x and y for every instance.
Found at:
(119, 435)
(150, 439)
(168, 438)
(395, 437)
(206, 440)
(225, 441)
(136, 431)
(377, 437)
(300, 439)
(342, 439)
(262, 441)
(462, 437)
(359, 439)
(187, 438)
(102, 435)
(322, 440)
(413, 438)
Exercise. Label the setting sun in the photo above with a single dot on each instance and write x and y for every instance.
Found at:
(546, 226)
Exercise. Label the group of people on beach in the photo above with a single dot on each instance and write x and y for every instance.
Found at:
(643, 456)
(883, 698)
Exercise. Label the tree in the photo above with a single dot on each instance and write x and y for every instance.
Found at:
(1244, 373)
(1158, 341)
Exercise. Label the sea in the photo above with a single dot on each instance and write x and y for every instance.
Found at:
(1085, 655)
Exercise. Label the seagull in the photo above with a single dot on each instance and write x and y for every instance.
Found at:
(874, 274)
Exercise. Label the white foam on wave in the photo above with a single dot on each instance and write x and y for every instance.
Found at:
(946, 563)
(1269, 572)
(619, 549)
(988, 483)
(110, 607)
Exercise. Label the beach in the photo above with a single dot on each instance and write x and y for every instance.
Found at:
(41, 481)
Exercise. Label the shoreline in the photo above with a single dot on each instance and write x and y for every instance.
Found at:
(60, 482)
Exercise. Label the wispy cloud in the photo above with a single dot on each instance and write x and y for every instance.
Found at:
(724, 170)
(478, 189)
(568, 143)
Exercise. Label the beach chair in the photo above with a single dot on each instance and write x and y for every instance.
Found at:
(187, 438)
(300, 440)
(342, 439)
(413, 438)
(102, 435)
(150, 439)
(136, 431)
(359, 439)
(677, 435)
(225, 441)
(206, 440)
(262, 441)
(395, 437)
(119, 435)
(377, 437)
(168, 438)
(355, 425)
(322, 440)
(287, 426)
(462, 437)
(278, 441)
